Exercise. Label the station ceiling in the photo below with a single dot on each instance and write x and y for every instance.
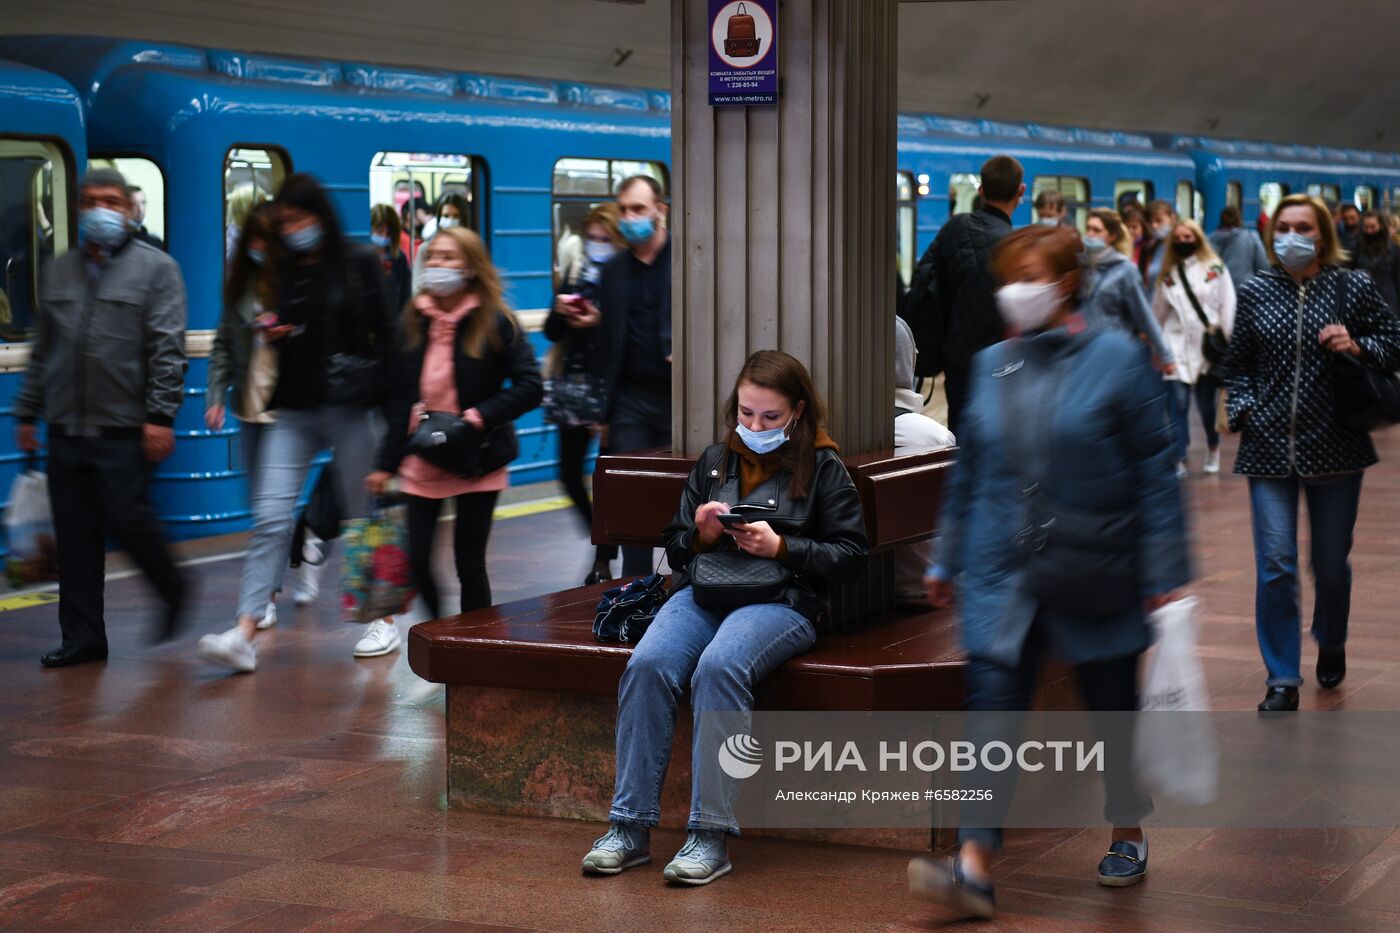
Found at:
(1289, 70)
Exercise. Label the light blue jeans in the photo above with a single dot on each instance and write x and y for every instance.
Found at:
(285, 451)
(720, 659)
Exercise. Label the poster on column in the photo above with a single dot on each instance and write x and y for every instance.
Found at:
(743, 52)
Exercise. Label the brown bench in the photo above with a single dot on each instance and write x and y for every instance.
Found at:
(532, 695)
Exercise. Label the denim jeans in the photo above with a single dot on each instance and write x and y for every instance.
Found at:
(720, 659)
(1332, 506)
(251, 435)
(1107, 686)
(1179, 398)
(285, 451)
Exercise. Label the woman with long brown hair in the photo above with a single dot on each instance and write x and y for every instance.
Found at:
(460, 346)
(774, 491)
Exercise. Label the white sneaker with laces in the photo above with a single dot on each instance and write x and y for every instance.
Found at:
(381, 638)
(308, 585)
(269, 618)
(229, 649)
(1212, 462)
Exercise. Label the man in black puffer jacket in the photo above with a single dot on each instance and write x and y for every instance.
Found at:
(963, 283)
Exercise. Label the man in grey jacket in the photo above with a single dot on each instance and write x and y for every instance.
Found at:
(107, 373)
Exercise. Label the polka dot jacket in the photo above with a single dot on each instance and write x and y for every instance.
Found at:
(1277, 378)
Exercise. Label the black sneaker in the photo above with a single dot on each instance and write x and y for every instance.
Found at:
(943, 882)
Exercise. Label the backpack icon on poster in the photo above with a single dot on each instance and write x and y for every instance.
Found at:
(741, 39)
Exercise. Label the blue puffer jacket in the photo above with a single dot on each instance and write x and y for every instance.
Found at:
(1277, 377)
(1110, 447)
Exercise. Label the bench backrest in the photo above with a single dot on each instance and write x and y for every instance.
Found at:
(635, 495)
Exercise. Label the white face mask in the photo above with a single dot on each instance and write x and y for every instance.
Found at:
(447, 223)
(1025, 306)
(441, 280)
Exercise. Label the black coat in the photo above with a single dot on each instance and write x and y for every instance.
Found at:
(583, 347)
(966, 287)
(613, 301)
(825, 532)
(481, 384)
(1383, 267)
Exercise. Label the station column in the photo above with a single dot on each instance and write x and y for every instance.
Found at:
(784, 227)
(783, 218)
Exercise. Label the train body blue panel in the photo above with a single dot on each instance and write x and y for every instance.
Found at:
(184, 108)
(39, 105)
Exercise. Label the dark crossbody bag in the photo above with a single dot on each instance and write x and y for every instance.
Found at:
(1079, 563)
(1214, 345)
(447, 441)
(1364, 397)
(729, 579)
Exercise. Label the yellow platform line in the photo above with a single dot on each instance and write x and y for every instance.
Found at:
(27, 601)
(533, 507)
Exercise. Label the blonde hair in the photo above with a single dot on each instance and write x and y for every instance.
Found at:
(1117, 231)
(481, 329)
(241, 201)
(1329, 248)
(1203, 252)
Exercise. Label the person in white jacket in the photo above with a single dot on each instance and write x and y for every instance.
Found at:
(1192, 270)
(913, 432)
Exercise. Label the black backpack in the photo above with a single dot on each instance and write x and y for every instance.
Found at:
(926, 317)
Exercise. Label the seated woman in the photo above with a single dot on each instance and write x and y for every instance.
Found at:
(777, 461)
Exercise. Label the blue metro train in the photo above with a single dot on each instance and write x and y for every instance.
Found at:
(205, 132)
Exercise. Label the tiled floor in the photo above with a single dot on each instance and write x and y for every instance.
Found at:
(152, 792)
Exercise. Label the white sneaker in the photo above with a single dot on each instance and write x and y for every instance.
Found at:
(230, 649)
(1212, 462)
(1182, 471)
(381, 638)
(269, 618)
(308, 585)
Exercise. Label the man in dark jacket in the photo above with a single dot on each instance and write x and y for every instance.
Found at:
(634, 311)
(966, 289)
(107, 372)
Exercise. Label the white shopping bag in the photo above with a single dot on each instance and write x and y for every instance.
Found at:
(1175, 752)
(33, 555)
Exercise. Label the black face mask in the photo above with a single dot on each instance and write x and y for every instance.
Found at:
(1183, 250)
(1377, 237)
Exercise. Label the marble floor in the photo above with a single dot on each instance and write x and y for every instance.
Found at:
(155, 793)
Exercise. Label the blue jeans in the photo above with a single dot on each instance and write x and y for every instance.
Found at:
(284, 454)
(1179, 398)
(251, 435)
(1332, 505)
(720, 659)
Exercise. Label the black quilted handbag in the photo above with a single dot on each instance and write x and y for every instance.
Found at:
(727, 580)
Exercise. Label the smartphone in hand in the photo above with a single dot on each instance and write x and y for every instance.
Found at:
(731, 519)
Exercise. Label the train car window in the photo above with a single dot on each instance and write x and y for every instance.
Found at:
(34, 228)
(906, 223)
(148, 190)
(1329, 193)
(1132, 189)
(962, 192)
(1270, 193)
(580, 185)
(1234, 195)
(1364, 197)
(1075, 191)
(251, 176)
(1189, 202)
(435, 177)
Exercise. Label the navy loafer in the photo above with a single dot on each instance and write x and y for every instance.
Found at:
(1121, 866)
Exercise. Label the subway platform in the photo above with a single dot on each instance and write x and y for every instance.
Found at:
(154, 792)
